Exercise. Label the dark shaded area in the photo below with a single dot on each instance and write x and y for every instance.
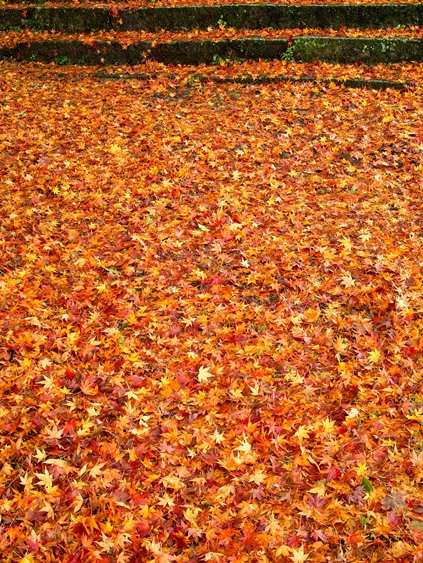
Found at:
(238, 16)
(209, 52)
(303, 49)
(76, 52)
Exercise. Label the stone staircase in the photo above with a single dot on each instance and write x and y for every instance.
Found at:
(89, 33)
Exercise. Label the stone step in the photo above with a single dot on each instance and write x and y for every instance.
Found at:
(71, 19)
(341, 50)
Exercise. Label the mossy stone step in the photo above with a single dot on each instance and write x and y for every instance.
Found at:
(177, 52)
(303, 49)
(341, 50)
(238, 16)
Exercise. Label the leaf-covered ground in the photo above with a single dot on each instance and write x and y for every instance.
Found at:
(154, 3)
(211, 320)
(12, 38)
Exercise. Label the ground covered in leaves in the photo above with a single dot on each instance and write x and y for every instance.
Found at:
(211, 320)
(126, 38)
(154, 3)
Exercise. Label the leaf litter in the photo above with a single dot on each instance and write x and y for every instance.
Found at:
(211, 320)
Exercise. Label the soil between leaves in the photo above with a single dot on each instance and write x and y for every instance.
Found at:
(211, 319)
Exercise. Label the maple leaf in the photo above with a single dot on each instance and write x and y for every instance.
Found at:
(59, 463)
(319, 490)
(204, 375)
(255, 389)
(97, 469)
(115, 149)
(40, 455)
(347, 280)
(45, 362)
(298, 555)
(302, 433)
(311, 315)
(374, 356)
(341, 345)
(105, 543)
(48, 509)
(166, 500)
(53, 433)
(258, 477)
(361, 469)
(191, 514)
(273, 527)
(417, 415)
(328, 425)
(213, 556)
(173, 482)
(244, 446)
(283, 550)
(26, 479)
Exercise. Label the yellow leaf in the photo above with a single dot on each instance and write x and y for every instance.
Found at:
(296, 320)
(77, 503)
(191, 514)
(298, 555)
(173, 482)
(45, 362)
(107, 527)
(213, 556)
(48, 509)
(374, 356)
(361, 469)
(244, 446)
(45, 480)
(284, 551)
(132, 319)
(60, 463)
(40, 455)
(26, 479)
(311, 315)
(318, 490)
(229, 463)
(257, 477)
(301, 433)
(416, 415)
(204, 375)
(347, 280)
(400, 549)
(328, 425)
(388, 118)
(115, 149)
(273, 527)
(96, 470)
(341, 345)
(166, 500)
